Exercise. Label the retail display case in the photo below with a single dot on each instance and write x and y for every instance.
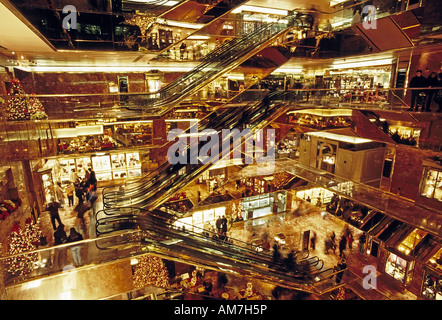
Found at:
(399, 267)
(431, 186)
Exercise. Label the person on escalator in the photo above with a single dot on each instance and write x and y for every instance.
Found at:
(218, 224)
(224, 225)
(418, 81)
(340, 267)
(276, 256)
(290, 261)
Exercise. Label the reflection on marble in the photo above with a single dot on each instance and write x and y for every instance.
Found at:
(85, 283)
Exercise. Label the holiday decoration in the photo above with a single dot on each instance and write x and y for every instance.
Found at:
(19, 242)
(150, 270)
(7, 207)
(24, 107)
(32, 232)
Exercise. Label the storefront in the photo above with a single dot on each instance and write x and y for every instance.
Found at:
(321, 119)
(351, 157)
(108, 166)
(264, 204)
(432, 284)
(93, 136)
(349, 76)
(432, 280)
(431, 183)
(400, 267)
(202, 219)
(405, 135)
(314, 195)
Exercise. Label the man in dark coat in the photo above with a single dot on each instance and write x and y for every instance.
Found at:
(341, 266)
(53, 211)
(218, 224)
(418, 81)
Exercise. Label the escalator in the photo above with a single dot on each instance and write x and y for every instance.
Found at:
(149, 192)
(225, 58)
(203, 248)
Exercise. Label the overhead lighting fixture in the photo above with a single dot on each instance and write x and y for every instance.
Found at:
(186, 25)
(260, 10)
(105, 69)
(166, 3)
(197, 37)
(368, 63)
(335, 2)
(288, 70)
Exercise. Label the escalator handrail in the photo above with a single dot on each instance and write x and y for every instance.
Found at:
(240, 249)
(150, 198)
(147, 180)
(224, 57)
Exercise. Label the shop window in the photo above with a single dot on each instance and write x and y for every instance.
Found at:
(374, 248)
(436, 260)
(399, 268)
(432, 286)
(411, 241)
(326, 156)
(431, 186)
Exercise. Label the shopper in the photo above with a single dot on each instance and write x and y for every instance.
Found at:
(332, 241)
(418, 81)
(59, 194)
(75, 250)
(438, 97)
(313, 241)
(224, 225)
(290, 261)
(91, 182)
(218, 224)
(60, 254)
(79, 191)
(276, 256)
(70, 190)
(340, 267)
(80, 209)
(362, 239)
(433, 82)
(342, 246)
(53, 211)
(350, 240)
(183, 49)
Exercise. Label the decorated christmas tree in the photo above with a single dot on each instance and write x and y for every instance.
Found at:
(150, 270)
(32, 232)
(22, 106)
(19, 242)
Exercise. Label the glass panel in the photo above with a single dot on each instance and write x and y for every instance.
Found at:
(396, 267)
(411, 241)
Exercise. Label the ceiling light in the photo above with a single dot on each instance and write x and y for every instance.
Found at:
(197, 37)
(288, 70)
(169, 3)
(260, 10)
(369, 63)
(179, 24)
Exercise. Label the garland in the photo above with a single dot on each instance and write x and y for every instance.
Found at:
(7, 207)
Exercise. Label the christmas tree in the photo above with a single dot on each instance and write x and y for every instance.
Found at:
(150, 270)
(23, 108)
(32, 232)
(19, 242)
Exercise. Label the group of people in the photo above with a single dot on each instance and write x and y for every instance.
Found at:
(85, 190)
(221, 227)
(424, 97)
(278, 260)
